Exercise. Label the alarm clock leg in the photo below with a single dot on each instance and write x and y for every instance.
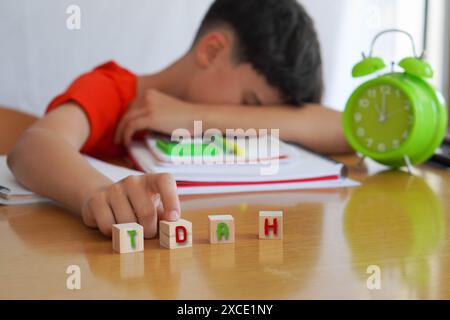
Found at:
(360, 164)
(408, 164)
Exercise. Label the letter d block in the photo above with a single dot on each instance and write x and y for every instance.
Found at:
(176, 234)
(128, 237)
(221, 229)
(271, 225)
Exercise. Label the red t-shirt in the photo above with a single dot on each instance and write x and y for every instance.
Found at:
(104, 94)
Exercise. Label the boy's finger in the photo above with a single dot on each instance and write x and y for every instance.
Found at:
(104, 217)
(132, 127)
(130, 115)
(152, 223)
(89, 218)
(119, 130)
(122, 210)
(165, 185)
(144, 208)
(160, 211)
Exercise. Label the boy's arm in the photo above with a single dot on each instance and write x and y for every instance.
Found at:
(313, 126)
(47, 160)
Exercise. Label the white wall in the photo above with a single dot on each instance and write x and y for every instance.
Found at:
(39, 56)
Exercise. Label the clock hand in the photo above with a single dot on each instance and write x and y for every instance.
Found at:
(381, 115)
(393, 112)
(377, 109)
(383, 104)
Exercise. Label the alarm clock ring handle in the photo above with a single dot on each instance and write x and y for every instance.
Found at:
(413, 44)
(415, 65)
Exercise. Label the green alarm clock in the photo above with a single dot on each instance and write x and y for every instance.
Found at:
(396, 119)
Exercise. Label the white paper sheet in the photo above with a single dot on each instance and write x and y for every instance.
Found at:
(117, 173)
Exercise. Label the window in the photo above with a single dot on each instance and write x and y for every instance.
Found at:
(439, 43)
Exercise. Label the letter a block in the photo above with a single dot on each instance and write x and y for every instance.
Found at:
(221, 229)
(176, 234)
(271, 225)
(128, 237)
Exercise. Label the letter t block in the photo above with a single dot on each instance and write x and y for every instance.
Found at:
(271, 225)
(128, 237)
(221, 229)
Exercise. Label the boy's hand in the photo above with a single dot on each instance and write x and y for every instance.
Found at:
(134, 199)
(154, 111)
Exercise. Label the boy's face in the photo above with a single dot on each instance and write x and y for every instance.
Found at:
(220, 80)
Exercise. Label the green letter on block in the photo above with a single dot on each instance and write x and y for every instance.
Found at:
(222, 231)
(132, 234)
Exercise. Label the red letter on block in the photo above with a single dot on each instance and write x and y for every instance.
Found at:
(272, 226)
(177, 234)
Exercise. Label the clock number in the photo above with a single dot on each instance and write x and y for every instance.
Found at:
(405, 135)
(361, 132)
(395, 144)
(358, 117)
(364, 103)
(369, 142)
(407, 106)
(372, 93)
(410, 119)
(385, 90)
(381, 147)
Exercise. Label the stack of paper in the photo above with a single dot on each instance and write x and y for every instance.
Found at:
(290, 168)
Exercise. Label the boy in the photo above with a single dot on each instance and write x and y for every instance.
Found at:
(253, 64)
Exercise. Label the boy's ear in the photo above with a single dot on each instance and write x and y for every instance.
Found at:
(210, 47)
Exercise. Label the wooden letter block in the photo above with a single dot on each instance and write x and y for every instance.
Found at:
(176, 234)
(128, 237)
(221, 229)
(271, 225)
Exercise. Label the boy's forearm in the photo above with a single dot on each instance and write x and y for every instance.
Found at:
(313, 126)
(52, 167)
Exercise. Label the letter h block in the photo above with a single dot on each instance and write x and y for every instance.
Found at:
(221, 229)
(175, 234)
(127, 237)
(271, 225)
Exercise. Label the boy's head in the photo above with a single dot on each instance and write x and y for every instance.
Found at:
(256, 52)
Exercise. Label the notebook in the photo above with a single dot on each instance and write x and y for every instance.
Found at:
(298, 168)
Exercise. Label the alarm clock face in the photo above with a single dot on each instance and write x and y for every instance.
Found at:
(381, 118)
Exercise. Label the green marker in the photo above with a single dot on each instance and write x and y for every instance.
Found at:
(187, 149)
(228, 146)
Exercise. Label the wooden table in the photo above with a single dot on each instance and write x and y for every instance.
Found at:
(394, 221)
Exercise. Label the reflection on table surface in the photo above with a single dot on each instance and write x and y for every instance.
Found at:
(397, 222)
